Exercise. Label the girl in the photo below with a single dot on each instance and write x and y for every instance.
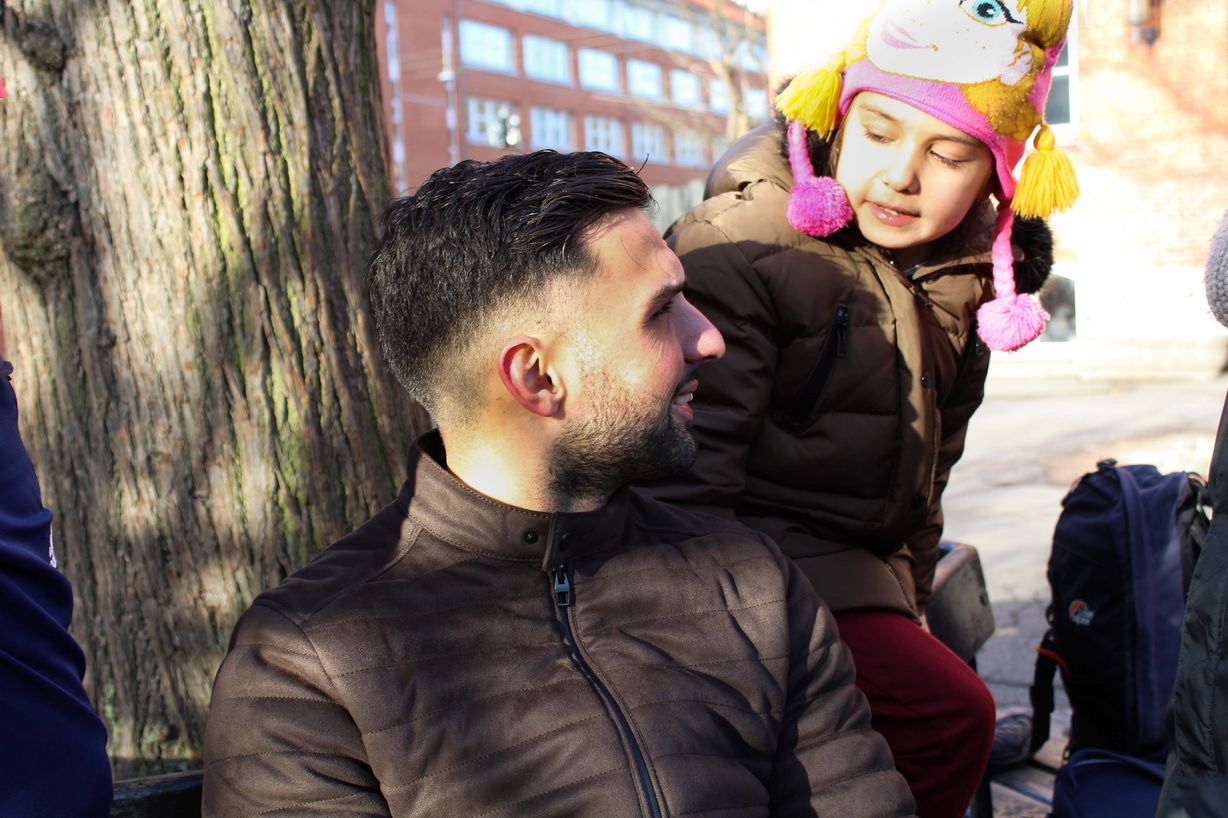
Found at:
(858, 269)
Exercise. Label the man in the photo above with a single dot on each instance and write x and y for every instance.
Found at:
(519, 634)
(53, 757)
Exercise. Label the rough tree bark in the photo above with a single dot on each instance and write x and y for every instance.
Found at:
(189, 190)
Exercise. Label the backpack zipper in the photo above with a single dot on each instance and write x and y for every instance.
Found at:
(835, 346)
(564, 601)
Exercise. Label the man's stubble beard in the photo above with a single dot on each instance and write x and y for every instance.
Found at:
(620, 445)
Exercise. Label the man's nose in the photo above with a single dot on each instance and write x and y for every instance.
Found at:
(702, 341)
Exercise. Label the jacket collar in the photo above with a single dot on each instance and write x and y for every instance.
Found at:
(438, 501)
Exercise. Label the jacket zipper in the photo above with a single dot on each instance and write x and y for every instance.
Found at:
(564, 599)
(835, 346)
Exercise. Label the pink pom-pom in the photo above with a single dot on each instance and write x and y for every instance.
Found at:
(1008, 323)
(819, 207)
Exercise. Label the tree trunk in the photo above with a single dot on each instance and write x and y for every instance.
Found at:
(189, 191)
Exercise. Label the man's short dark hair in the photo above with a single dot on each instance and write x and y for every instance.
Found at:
(477, 236)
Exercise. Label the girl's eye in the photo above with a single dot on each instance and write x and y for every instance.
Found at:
(875, 137)
(989, 12)
(951, 163)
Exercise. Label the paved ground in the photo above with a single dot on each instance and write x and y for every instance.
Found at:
(1029, 441)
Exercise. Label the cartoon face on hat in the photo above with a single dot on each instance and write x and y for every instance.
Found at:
(956, 41)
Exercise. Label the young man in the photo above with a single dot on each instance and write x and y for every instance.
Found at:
(53, 748)
(518, 634)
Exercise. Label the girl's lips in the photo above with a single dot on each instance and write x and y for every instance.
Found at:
(891, 218)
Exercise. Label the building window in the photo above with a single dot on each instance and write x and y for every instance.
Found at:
(549, 8)
(551, 129)
(492, 122)
(599, 70)
(677, 34)
(718, 96)
(546, 59)
(755, 103)
(645, 80)
(648, 143)
(485, 46)
(1062, 107)
(638, 23)
(690, 149)
(603, 133)
(394, 91)
(684, 89)
(598, 14)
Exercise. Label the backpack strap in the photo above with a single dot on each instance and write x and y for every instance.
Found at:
(1041, 693)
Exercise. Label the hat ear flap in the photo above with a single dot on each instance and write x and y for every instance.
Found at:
(817, 206)
(1047, 182)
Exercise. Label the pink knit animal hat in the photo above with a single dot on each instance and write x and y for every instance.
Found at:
(982, 66)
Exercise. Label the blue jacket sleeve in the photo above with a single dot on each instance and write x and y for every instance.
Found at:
(53, 759)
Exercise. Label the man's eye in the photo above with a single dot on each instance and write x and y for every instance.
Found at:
(664, 308)
(989, 12)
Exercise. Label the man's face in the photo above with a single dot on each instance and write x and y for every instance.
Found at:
(635, 343)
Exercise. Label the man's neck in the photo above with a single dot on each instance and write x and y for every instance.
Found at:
(510, 469)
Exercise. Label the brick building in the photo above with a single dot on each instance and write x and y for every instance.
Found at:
(639, 79)
(1140, 102)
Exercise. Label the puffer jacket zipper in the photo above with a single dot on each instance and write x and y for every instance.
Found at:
(564, 600)
(834, 347)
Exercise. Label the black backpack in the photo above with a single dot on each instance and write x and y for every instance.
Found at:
(1123, 549)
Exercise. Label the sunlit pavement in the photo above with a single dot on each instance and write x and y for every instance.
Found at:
(1028, 442)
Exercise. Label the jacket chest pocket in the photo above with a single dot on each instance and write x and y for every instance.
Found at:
(801, 410)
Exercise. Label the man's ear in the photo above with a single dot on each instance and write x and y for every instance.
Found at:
(528, 376)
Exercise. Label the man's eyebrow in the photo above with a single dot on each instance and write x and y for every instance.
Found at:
(664, 294)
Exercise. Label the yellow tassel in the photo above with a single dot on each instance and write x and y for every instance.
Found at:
(1047, 182)
(813, 98)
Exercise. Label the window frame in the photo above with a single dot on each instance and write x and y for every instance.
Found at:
(480, 65)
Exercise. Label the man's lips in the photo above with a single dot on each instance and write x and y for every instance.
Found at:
(685, 393)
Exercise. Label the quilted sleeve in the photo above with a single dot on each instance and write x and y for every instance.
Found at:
(829, 760)
(277, 740)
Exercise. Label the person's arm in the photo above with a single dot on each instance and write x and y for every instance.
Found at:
(965, 398)
(53, 758)
(277, 740)
(829, 760)
(734, 391)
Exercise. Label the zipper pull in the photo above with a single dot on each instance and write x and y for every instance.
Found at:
(842, 327)
(562, 586)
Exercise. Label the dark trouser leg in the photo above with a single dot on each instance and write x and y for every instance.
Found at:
(933, 709)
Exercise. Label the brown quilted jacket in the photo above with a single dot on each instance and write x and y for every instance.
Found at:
(458, 657)
(834, 418)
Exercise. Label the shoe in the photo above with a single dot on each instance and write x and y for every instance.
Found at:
(1012, 742)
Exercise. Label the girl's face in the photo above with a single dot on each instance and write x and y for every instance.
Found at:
(959, 41)
(910, 178)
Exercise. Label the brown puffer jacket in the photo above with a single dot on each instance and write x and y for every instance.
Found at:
(459, 657)
(841, 404)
